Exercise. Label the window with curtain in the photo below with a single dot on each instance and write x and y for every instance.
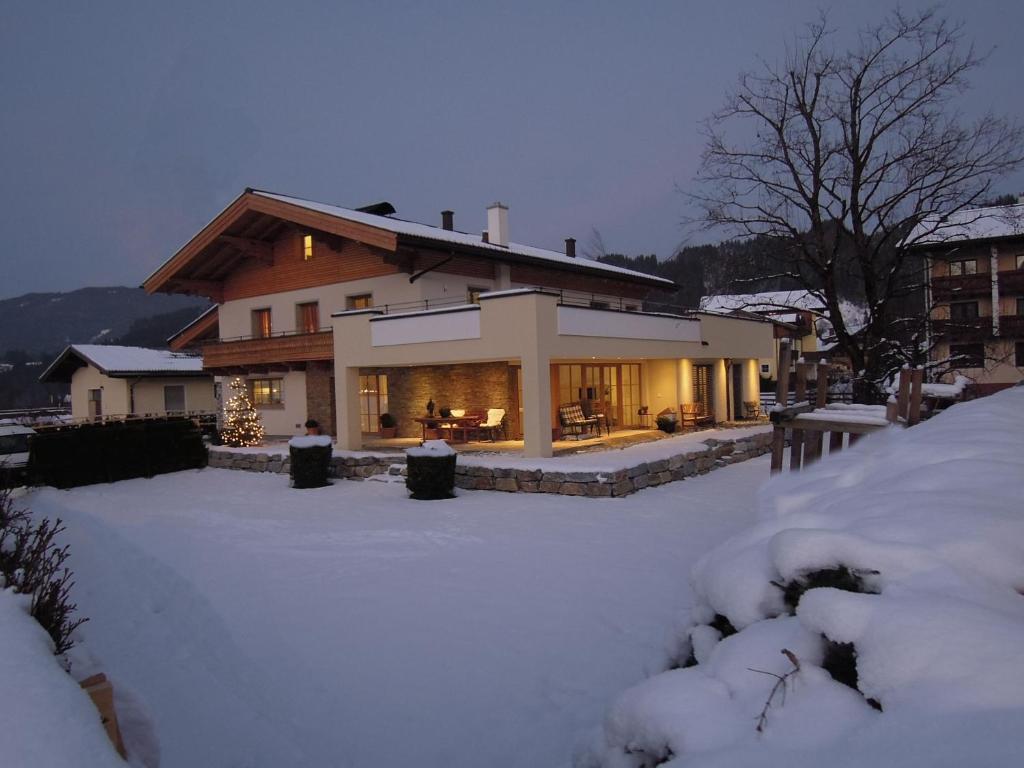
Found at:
(266, 391)
(261, 325)
(307, 317)
(359, 301)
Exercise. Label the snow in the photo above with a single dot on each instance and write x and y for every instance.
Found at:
(353, 626)
(767, 302)
(969, 224)
(48, 720)
(115, 359)
(431, 448)
(931, 520)
(415, 229)
(585, 460)
(310, 441)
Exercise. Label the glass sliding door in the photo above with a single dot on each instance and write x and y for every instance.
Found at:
(373, 401)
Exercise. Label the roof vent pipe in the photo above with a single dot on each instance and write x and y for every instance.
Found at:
(448, 220)
(570, 247)
(485, 237)
(497, 224)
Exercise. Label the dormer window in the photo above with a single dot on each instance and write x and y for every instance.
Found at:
(307, 247)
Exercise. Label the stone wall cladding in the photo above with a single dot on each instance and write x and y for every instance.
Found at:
(622, 482)
(320, 395)
(469, 385)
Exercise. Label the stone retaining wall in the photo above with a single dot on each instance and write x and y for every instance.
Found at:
(719, 453)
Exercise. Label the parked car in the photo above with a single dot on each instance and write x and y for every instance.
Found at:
(14, 453)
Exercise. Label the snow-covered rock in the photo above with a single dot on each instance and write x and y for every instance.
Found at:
(929, 522)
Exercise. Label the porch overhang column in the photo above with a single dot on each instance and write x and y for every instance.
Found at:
(346, 396)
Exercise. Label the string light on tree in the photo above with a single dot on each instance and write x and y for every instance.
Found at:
(242, 424)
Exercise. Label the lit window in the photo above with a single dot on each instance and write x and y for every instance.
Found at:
(307, 247)
(307, 317)
(261, 325)
(266, 391)
(361, 301)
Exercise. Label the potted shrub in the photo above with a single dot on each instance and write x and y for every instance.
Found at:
(666, 422)
(388, 426)
(310, 460)
(430, 471)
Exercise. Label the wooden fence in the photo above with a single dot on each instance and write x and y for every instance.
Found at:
(808, 422)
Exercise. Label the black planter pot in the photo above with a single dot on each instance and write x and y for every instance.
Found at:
(310, 466)
(430, 477)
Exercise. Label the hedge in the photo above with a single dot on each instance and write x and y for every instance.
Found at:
(67, 457)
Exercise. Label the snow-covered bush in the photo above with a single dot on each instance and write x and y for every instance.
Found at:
(32, 564)
(893, 573)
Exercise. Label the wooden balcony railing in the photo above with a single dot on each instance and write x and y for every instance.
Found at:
(286, 348)
(973, 329)
(1011, 281)
(961, 287)
(1011, 326)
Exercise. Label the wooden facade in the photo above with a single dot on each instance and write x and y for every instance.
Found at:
(287, 348)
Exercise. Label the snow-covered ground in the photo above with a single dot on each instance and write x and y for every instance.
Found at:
(45, 718)
(256, 625)
(929, 523)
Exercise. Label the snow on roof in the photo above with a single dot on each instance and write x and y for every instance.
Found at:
(415, 229)
(138, 359)
(969, 224)
(115, 360)
(770, 301)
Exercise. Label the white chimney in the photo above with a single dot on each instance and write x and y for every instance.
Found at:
(497, 224)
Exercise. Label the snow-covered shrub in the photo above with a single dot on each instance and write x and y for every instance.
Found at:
(32, 564)
(893, 572)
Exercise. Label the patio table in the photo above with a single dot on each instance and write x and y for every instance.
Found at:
(451, 424)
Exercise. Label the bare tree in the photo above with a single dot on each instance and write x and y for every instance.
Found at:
(841, 155)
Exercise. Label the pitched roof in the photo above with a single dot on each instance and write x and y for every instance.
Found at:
(992, 223)
(122, 362)
(438, 234)
(193, 260)
(205, 326)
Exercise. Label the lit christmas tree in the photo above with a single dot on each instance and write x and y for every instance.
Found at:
(242, 425)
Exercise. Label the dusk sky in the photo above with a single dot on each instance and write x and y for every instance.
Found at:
(127, 126)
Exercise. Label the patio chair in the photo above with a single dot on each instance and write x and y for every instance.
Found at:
(691, 415)
(495, 423)
(572, 419)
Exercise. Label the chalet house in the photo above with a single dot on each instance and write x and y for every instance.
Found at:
(974, 262)
(115, 382)
(343, 314)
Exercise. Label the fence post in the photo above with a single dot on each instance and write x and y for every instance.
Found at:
(814, 441)
(903, 395)
(916, 380)
(796, 442)
(781, 396)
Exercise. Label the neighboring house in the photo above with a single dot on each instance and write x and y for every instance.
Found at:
(111, 381)
(975, 274)
(341, 315)
(797, 316)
